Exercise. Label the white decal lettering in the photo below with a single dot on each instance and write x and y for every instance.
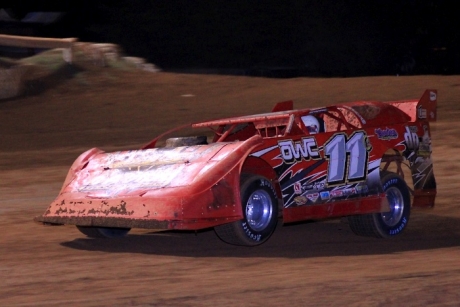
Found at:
(296, 151)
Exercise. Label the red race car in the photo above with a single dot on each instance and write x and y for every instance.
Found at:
(367, 161)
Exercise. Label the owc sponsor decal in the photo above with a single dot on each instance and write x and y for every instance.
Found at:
(305, 149)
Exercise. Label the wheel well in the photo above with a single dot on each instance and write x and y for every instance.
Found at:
(257, 166)
(394, 161)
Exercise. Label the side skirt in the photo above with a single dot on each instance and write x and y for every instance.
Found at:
(371, 204)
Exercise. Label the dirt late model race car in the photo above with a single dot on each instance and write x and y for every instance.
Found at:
(367, 161)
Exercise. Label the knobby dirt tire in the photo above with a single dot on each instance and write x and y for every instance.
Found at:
(260, 213)
(386, 224)
(103, 232)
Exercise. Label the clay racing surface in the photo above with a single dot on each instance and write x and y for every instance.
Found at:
(73, 109)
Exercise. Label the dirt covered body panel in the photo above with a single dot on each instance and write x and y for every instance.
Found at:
(188, 187)
(323, 162)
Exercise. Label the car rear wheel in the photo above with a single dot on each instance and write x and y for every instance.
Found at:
(260, 213)
(103, 232)
(386, 224)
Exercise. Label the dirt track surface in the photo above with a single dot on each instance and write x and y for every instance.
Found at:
(308, 264)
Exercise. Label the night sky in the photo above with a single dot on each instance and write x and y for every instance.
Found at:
(313, 38)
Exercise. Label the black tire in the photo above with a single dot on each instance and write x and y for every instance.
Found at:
(260, 211)
(103, 232)
(386, 224)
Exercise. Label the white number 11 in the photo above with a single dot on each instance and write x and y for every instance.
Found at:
(346, 158)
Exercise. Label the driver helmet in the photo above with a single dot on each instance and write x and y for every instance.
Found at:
(311, 123)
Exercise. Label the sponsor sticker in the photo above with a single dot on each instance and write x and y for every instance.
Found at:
(313, 196)
(297, 188)
(325, 195)
(421, 112)
(315, 186)
(349, 191)
(336, 193)
(411, 138)
(300, 200)
(319, 185)
(386, 134)
(362, 189)
(305, 149)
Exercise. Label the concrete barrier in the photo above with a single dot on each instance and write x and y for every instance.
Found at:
(40, 42)
(11, 75)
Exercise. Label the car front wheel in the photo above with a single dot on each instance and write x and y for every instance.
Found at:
(260, 213)
(103, 232)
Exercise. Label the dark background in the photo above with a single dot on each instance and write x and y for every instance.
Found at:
(271, 38)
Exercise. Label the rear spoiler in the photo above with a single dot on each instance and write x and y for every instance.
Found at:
(423, 109)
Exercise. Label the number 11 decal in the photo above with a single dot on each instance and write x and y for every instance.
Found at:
(348, 158)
